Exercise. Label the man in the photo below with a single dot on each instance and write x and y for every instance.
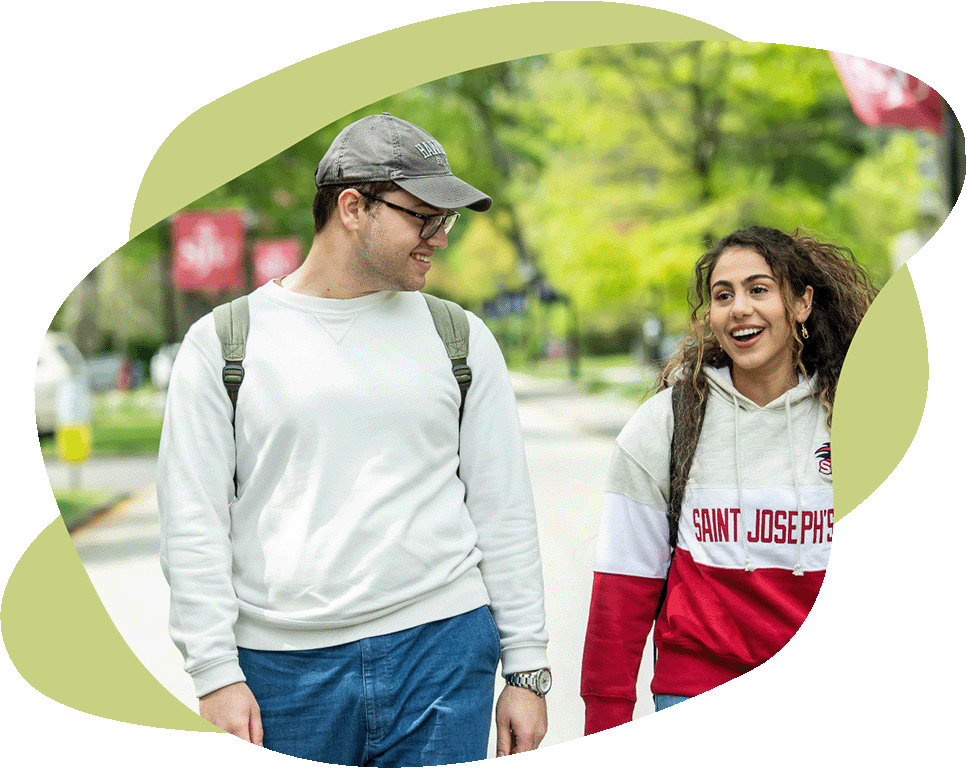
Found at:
(347, 561)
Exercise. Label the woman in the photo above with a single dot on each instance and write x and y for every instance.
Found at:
(749, 472)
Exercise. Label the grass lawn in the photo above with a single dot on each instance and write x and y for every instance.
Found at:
(73, 504)
(125, 436)
(122, 424)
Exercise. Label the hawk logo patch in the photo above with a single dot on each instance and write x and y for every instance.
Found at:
(824, 459)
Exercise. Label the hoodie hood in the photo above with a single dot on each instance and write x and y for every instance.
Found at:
(720, 382)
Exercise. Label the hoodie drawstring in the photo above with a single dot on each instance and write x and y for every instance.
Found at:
(749, 565)
(787, 400)
(797, 571)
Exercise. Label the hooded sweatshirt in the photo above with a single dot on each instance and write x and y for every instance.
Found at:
(362, 507)
(753, 543)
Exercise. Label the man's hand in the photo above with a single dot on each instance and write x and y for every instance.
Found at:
(521, 720)
(233, 709)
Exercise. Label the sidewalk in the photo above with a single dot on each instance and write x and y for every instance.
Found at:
(596, 415)
(119, 477)
(118, 474)
(119, 550)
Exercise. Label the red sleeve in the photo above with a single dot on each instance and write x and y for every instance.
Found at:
(622, 612)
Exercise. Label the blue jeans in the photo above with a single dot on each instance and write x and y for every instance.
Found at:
(666, 700)
(423, 696)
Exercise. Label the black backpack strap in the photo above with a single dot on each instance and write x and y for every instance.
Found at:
(231, 325)
(679, 468)
(454, 329)
(676, 489)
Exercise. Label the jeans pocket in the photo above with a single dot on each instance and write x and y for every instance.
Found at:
(494, 634)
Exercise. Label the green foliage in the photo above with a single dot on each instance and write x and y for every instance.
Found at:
(885, 194)
(479, 264)
(613, 168)
(664, 148)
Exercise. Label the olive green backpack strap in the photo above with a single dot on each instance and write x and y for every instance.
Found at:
(450, 320)
(453, 327)
(231, 325)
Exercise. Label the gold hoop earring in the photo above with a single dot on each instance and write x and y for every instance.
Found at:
(805, 333)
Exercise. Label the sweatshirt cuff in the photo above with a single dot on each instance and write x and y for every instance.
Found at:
(601, 713)
(217, 676)
(525, 659)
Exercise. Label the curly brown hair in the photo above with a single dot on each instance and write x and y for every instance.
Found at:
(842, 292)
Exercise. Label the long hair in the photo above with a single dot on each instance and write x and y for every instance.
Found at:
(842, 292)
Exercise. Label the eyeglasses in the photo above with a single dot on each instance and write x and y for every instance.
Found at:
(431, 224)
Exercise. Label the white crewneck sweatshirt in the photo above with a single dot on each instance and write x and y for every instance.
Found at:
(350, 519)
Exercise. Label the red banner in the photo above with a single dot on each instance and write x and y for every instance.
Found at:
(883, 95)
(207, 250)
(275, 258)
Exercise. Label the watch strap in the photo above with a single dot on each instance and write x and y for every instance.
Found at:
(531, 680)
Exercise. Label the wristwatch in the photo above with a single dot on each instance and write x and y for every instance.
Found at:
(539, 681)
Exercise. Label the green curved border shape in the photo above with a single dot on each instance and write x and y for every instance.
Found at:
(62, 641)
(246, 127)
(877, 414)
(100, 675)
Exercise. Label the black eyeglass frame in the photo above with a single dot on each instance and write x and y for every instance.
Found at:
(445, 220)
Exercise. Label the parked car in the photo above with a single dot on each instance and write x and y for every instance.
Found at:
(59, 361)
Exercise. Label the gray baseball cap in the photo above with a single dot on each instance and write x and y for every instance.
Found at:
(386, 148)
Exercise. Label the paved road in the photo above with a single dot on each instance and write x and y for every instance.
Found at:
(118, 474)
(568, 439)
(568, 448)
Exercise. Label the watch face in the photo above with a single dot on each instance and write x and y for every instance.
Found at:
(544, 680)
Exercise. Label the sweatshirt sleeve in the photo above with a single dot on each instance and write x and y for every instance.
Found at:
(631, 563)
(621, 616)
(501, 505)
(196, 464)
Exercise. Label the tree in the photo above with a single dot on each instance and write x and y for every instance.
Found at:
(666, 147)
(612, 169)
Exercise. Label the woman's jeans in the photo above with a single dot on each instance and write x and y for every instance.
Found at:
(666, 700)
(423, 696)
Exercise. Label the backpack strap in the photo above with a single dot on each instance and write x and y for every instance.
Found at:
(677, 489)
(680, 463)
(450, 320)
(231, 325)
(451, 323)
(679, 468)
(678, 471)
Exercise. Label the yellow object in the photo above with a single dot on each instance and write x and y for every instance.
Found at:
(74, 442)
